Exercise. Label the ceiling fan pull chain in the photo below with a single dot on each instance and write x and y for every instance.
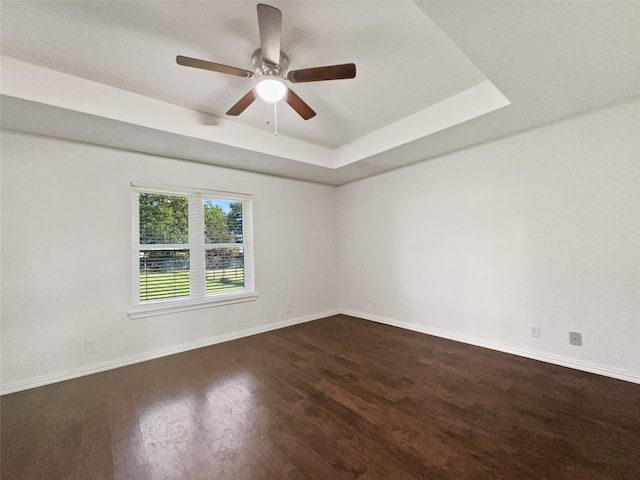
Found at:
(275, 119)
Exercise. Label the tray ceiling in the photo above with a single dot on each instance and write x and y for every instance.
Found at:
(431, 77)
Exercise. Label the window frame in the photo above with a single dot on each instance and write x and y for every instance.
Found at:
(198, 297)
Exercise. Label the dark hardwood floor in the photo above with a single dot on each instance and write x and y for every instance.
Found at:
(338, 398)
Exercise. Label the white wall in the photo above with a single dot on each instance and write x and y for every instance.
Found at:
(537, 228)
(66, 273)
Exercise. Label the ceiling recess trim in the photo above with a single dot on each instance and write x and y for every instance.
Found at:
(49, 87)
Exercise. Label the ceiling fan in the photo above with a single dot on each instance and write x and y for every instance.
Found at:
(271, 68)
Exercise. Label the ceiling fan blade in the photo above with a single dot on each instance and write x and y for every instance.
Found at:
(242, 104)
(270, 25)
(299, 105)
(331, 72)
(214, 67)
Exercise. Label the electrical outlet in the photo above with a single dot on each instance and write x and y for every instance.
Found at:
(575, 338)
(287, 307)
(374, 303)
(90, 345)
(534, 330)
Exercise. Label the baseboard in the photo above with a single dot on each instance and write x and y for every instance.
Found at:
(143, 357)
(560, 360)
(206, 342)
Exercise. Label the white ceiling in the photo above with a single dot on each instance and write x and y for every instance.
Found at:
(432, 77)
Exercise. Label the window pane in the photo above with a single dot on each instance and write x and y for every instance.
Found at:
(163, 219)
(222, 221)
(164, 274)
(225, 269)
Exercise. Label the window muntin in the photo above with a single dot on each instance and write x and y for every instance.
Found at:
(191, 246)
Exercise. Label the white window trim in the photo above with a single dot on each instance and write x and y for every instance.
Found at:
(168, 306)
(163, 307)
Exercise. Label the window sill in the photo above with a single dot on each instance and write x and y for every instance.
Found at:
(176, 306)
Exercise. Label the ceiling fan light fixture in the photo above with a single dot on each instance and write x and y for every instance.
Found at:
(271, 89)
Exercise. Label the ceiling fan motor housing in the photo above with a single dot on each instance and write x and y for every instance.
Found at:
(265, 68)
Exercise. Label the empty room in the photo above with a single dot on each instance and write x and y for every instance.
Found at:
(318, 240)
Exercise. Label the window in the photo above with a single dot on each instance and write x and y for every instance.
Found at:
(191, 249)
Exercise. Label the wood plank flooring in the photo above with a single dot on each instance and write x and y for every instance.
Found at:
(338, 398)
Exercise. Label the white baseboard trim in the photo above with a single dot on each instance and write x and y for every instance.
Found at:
(163, 352)
(560, 360)
(206, 342)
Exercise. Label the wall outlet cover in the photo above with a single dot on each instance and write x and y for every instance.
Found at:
(90, 345)
(575, 338)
